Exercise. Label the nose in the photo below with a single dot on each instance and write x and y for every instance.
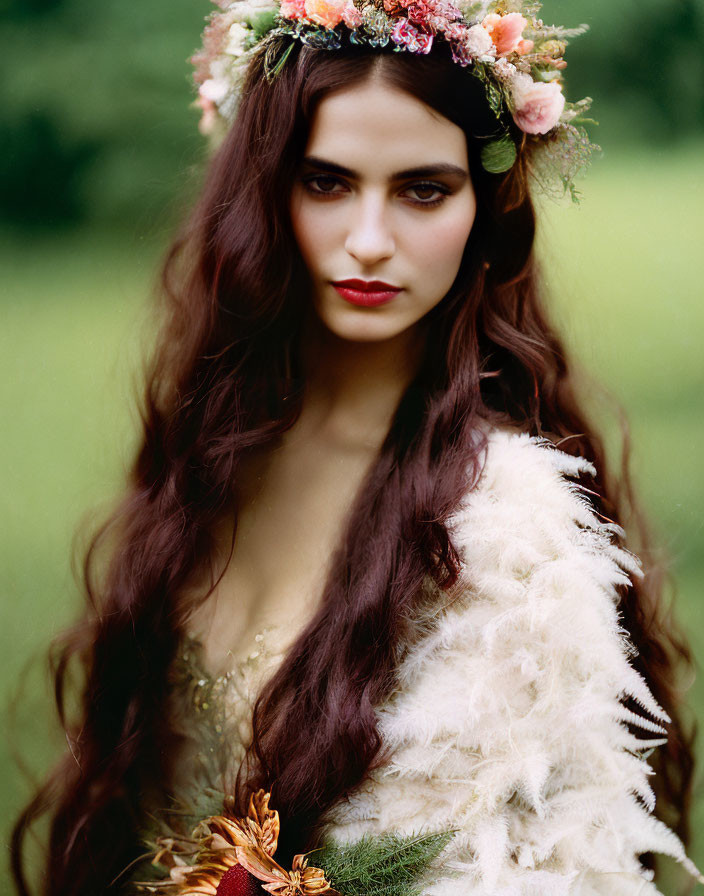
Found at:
(370, 237)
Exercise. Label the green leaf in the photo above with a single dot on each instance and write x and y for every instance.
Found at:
(262, 23)
(494, 97)
(273, 62)
(499, 155)
(389, 865)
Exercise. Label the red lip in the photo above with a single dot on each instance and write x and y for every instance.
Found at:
(367, 285)
(366, 293)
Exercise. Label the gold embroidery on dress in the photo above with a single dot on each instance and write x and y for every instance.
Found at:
(214, 712)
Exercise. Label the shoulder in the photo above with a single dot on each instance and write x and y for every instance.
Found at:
(530, 512)
(529, 647)
(511, 454)
(527, 474)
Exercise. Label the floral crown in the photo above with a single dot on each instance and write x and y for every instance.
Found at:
(518, 58)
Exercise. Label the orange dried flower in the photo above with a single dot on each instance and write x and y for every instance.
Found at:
(226, 845)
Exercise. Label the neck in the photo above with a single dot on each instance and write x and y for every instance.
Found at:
(353, 388)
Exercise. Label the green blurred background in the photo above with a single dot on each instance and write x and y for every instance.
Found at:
(100, 156)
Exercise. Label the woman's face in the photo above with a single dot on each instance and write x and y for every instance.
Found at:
(384, 194)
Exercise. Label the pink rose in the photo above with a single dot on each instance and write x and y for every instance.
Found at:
(406, 35)
(418, 12)
(293, 9)
(455, 32)
(327, 13)
(444, 10)
(351, 16)
(437, 24)
(538, 105)
(505, 31)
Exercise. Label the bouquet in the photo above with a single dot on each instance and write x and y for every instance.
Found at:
(230, 856)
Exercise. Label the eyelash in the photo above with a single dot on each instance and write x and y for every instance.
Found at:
(423, 203)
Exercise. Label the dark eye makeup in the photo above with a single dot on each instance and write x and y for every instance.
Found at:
(324, 184)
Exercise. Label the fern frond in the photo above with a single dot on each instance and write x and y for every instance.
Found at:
(389, 865)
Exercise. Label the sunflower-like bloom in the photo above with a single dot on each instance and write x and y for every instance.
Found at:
(227, 848)
(302, 880)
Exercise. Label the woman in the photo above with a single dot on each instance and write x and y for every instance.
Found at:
(358, 565)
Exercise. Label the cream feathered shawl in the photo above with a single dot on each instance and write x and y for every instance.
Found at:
(507, 724)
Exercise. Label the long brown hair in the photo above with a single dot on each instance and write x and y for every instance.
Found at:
(225, 379)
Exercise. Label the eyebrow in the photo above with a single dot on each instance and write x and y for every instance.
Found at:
(422, 171)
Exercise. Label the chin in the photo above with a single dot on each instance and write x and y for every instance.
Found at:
(364, 325)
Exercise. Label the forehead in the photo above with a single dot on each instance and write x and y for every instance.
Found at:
(373, 127)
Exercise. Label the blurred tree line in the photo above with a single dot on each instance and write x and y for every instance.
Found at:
(96, 123)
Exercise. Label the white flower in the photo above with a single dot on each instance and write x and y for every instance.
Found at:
(213, 90)
(479, 44)
(244, 10)
(220, 69)
(504, 70)
(236, 37)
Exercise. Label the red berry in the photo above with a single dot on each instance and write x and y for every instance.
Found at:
(238, 882)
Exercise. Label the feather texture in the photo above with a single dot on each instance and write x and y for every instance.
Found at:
(507, 722)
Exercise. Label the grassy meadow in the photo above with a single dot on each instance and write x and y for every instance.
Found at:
(625, 273)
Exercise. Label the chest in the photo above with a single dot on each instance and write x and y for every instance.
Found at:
(292, 507)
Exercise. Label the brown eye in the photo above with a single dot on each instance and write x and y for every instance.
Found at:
(427, 194)
(425, 191)
(322, 184)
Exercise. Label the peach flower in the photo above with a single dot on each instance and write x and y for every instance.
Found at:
(554, 63)
(293, 9)
(327, 13)
(505, 31)
(538, 104)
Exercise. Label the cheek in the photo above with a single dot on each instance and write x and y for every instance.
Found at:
(303, 227)
(441, 244)
(312, 231)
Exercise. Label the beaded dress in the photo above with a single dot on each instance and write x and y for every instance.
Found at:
(212, 713)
